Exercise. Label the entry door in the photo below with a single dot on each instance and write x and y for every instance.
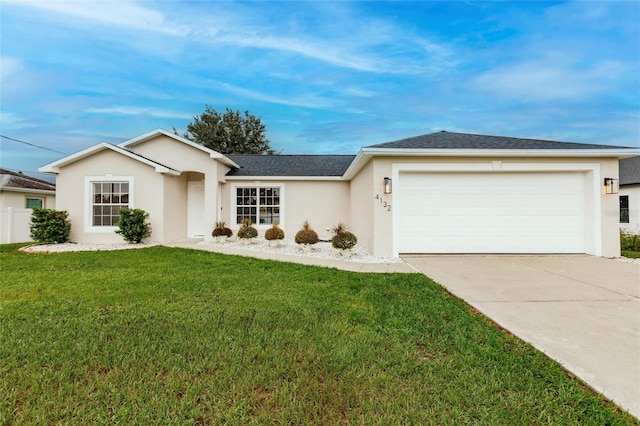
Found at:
(195, 209)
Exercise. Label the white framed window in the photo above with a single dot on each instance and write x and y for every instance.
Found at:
(261, 204)
(104, 197)
(34, 202)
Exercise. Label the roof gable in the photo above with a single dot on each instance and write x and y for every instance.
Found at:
(13, 181)
(451, 140)
(56, 165)
(290, 165)
(161, 132)
(629, 171)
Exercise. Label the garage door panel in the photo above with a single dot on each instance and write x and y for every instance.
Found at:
(491, 213)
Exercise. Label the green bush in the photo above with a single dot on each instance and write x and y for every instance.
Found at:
(132, 225)
(247, 231)
(306, 234)
(50, 226)
(274, 233)
(629, 242)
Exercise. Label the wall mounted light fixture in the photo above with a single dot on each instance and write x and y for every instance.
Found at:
(611, 186)
(387, 185)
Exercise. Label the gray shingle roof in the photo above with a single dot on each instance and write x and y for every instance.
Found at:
(451, 140)
(290, 165)
(629, 171)
(9, 179)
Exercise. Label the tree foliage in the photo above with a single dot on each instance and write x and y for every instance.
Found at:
(229, 133)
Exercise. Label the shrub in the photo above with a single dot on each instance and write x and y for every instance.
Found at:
(221, 230)
(306, 234)
(629, 241)
(274, 233)
(132, 225)
(247, 231)
(342, 238)
(50, 226)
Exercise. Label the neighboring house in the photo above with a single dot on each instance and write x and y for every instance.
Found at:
(630, 195)
(437, 193)
(19, 194)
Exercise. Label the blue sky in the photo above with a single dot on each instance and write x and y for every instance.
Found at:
(325, 77)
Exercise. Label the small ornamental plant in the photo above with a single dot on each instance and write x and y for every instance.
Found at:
(132, 225)
(247, 231)
(221, 230)
(50, 226)
(343, 239)
(274, 233)
(306, 235)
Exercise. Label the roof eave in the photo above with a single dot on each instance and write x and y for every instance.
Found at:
(55, 166)
(612, 153)
(29, 190)
(366, 153)
(288, 178)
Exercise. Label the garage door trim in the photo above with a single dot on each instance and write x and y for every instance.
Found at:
(592, 189)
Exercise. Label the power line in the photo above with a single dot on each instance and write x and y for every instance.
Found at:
(26, 171)
(32, 144)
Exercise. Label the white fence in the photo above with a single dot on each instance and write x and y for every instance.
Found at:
(14, 225)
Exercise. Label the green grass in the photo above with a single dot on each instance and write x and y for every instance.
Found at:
(631, 254)
(172, 336)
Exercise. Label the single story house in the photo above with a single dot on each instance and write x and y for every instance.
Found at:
(437, 193)
(630, 195)
(19, 194)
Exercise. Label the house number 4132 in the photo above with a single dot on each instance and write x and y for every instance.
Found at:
(383, 203)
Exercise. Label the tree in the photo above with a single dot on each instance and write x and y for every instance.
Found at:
(229, 133)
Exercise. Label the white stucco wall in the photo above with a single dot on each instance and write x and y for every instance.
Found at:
(322, 203)
(198, 165)
(633, 192)
(71, 193)
(602, 224)
(18, 199)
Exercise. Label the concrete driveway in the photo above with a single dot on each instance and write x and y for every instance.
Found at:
(582, 311)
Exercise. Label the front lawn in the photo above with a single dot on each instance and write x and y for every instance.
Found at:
(162, 336)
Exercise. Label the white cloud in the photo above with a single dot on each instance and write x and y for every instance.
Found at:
(119, 13)
(153, 112)
(546, 81)
(10, 121)
(8, 66)
(304, 101)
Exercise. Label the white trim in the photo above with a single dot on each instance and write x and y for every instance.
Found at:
(88, 201)
(28, 190)
(429, 152)
(56, 165)
(233, 200)
(283, 178)
(43, 199)
(592, 168)
(157, 132)
(365, 154)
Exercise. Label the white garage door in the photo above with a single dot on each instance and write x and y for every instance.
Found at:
(491, 213)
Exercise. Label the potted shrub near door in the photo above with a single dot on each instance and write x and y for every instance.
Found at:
(221, 232)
